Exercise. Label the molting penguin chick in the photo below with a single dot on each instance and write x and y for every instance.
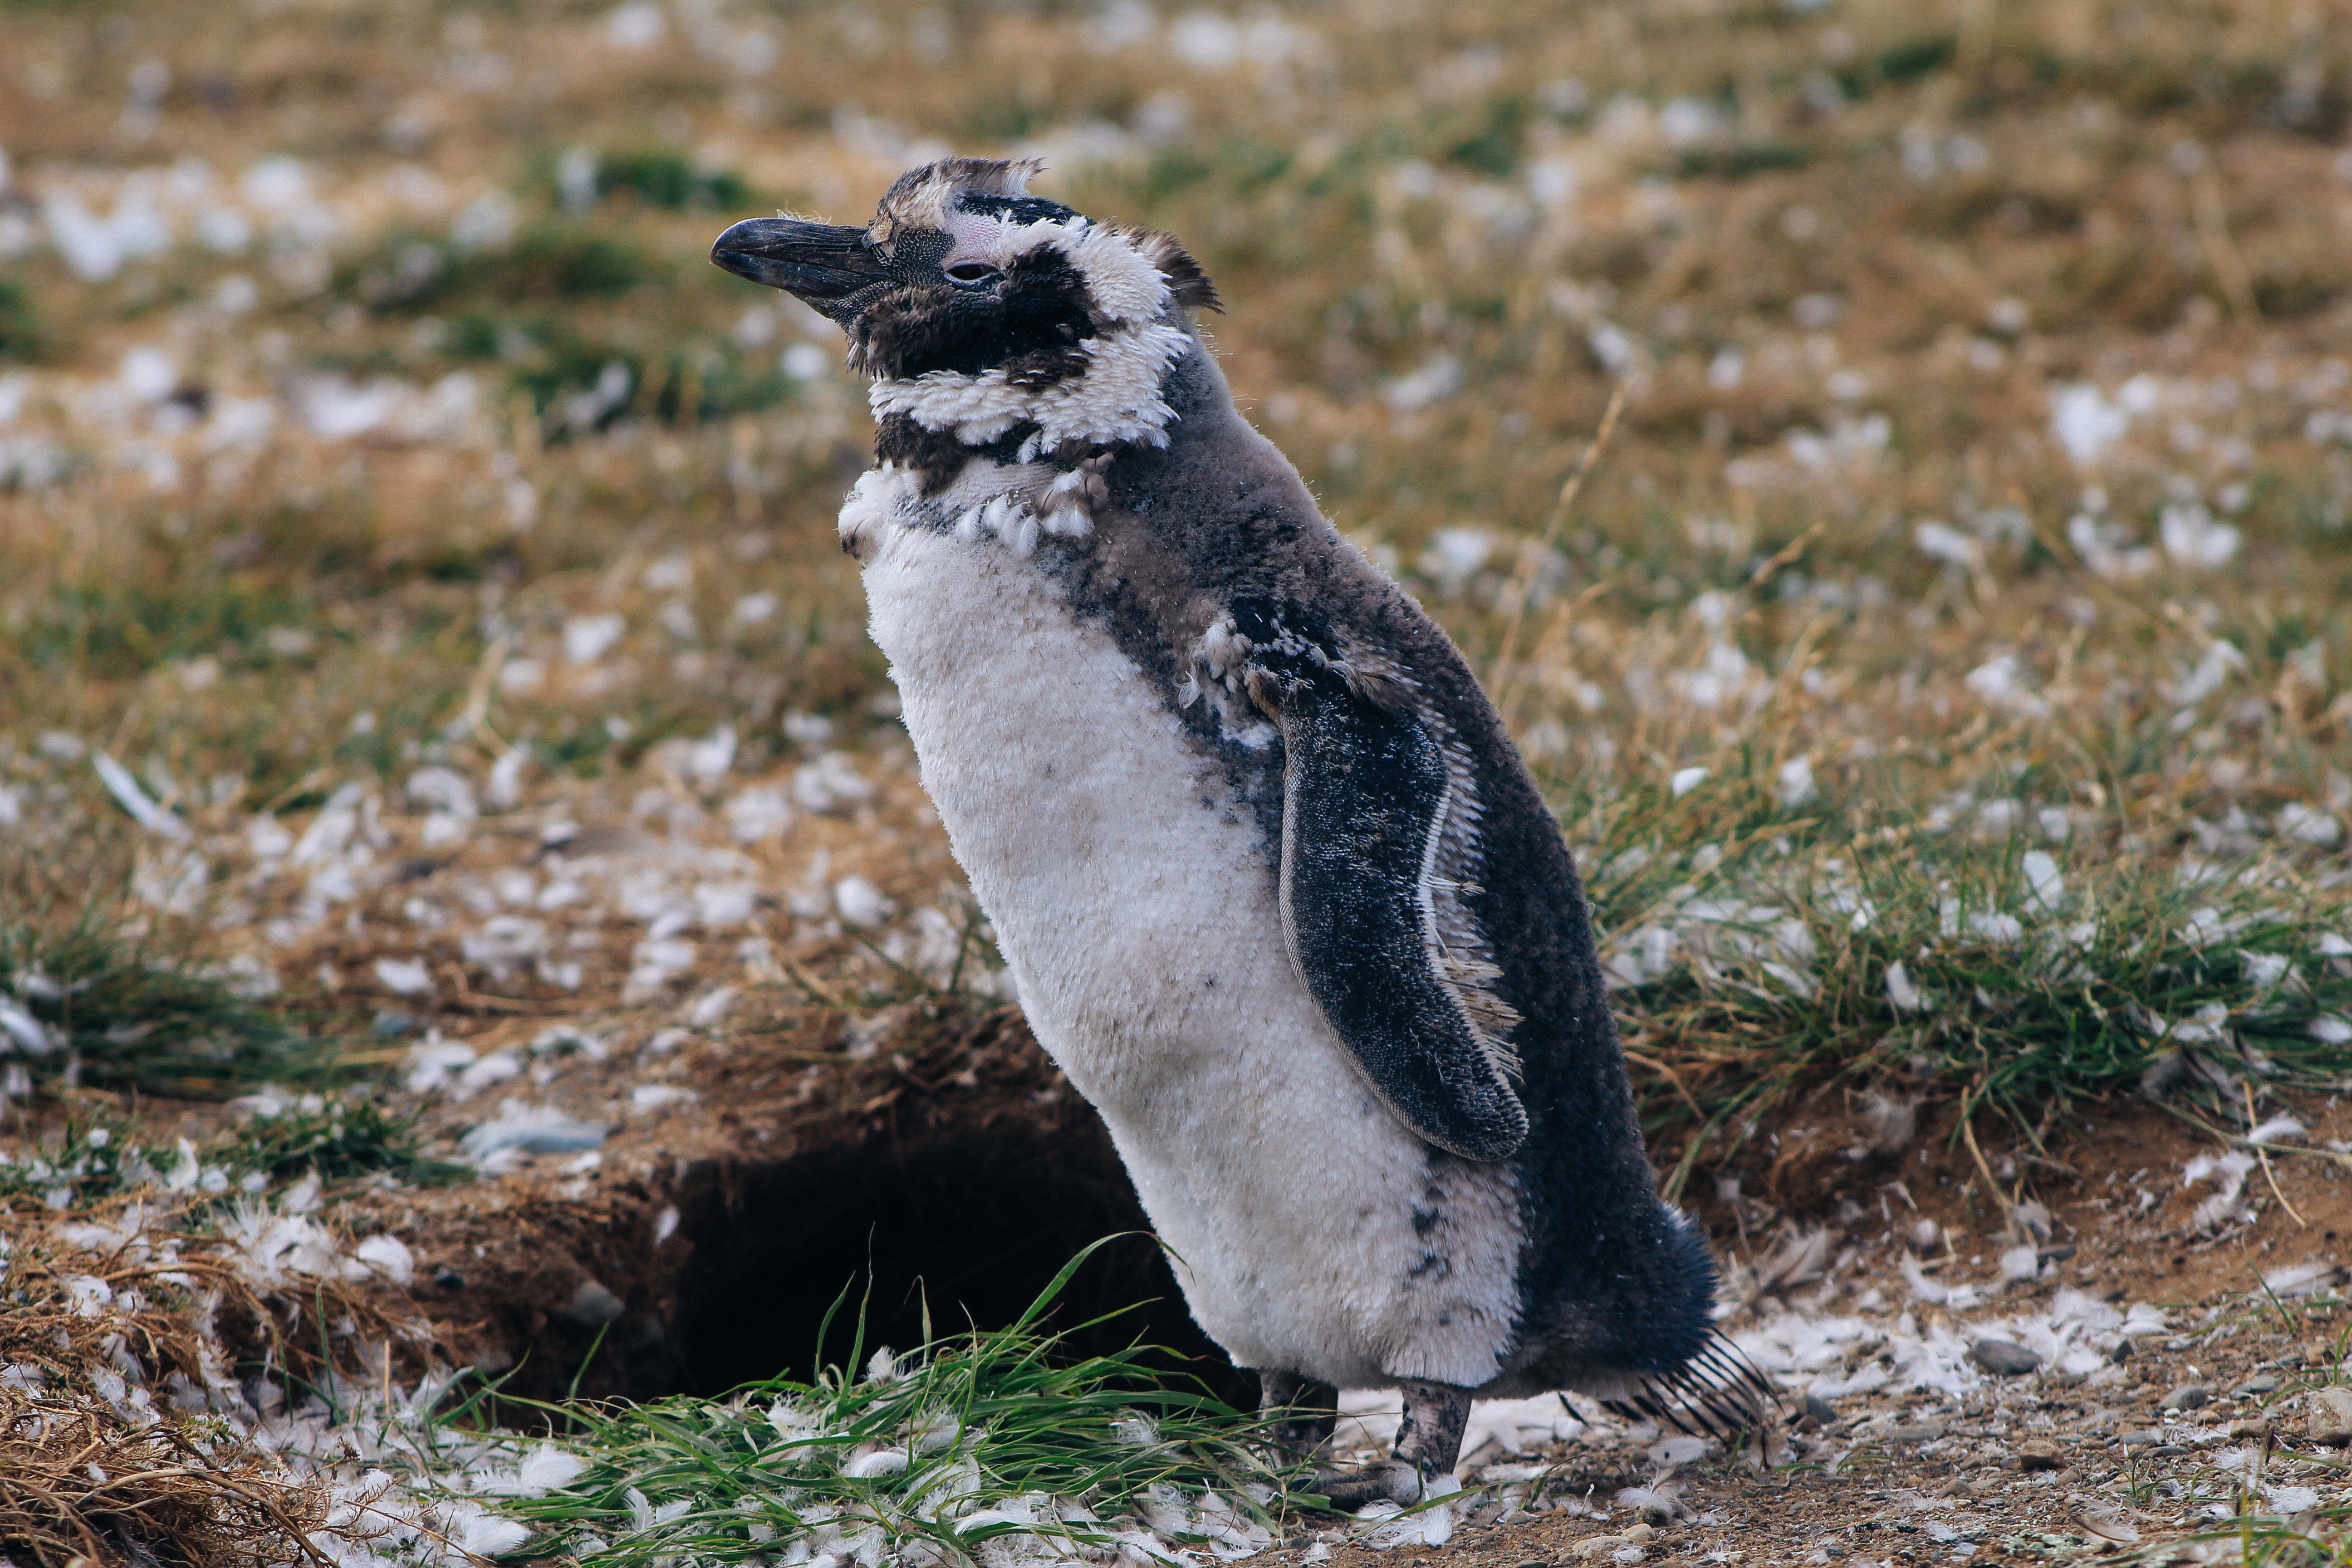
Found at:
(1277, 891)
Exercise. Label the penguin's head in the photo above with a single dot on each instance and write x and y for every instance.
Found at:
(963, 272)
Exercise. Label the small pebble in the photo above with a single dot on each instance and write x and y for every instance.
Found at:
(2254, 1388)
(391, 1023)
(2040, 1453)
(1818, 1411)
(1593, 1548)
(1925, 1432)
(2003, 1358)
(2329, 1419)
(2253, 1428)
(2188, 1397)
(2141, 1439)
(592, 1306)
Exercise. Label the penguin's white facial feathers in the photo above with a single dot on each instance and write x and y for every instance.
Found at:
(1126, 287)
(1122, 287)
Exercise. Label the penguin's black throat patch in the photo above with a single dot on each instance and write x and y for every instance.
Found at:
(936, 454)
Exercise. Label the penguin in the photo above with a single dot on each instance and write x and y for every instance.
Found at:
(1276, 888)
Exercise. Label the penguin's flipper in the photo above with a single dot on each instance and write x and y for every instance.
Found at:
(1365, 792)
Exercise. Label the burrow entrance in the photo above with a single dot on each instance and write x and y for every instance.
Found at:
(971, 1223)
(961, 1176)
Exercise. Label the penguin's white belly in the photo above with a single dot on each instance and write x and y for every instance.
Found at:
(1311, 1232)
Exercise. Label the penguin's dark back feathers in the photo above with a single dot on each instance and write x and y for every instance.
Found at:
(1609, 1277)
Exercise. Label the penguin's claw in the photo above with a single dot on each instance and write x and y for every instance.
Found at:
(1383, 1480)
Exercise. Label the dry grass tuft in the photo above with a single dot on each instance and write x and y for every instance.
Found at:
(77, 1487)
(126, 1325)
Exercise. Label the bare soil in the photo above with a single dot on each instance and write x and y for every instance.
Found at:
(932, 1158)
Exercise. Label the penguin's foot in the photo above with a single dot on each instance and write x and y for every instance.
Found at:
(1305, 1411)
(1430, 1436)
(1428, 1441)
(1383, 1480)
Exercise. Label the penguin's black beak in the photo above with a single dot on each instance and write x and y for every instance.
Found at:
(822, 264)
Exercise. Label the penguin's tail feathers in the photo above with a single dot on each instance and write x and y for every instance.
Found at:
(1717, 1393)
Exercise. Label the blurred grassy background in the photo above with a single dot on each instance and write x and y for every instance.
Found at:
(1941, 672)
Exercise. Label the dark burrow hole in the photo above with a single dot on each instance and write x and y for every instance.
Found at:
(960, 1173)
(982, 1180)
(973, 1222)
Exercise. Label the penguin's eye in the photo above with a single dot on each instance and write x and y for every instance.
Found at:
(972, 273)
